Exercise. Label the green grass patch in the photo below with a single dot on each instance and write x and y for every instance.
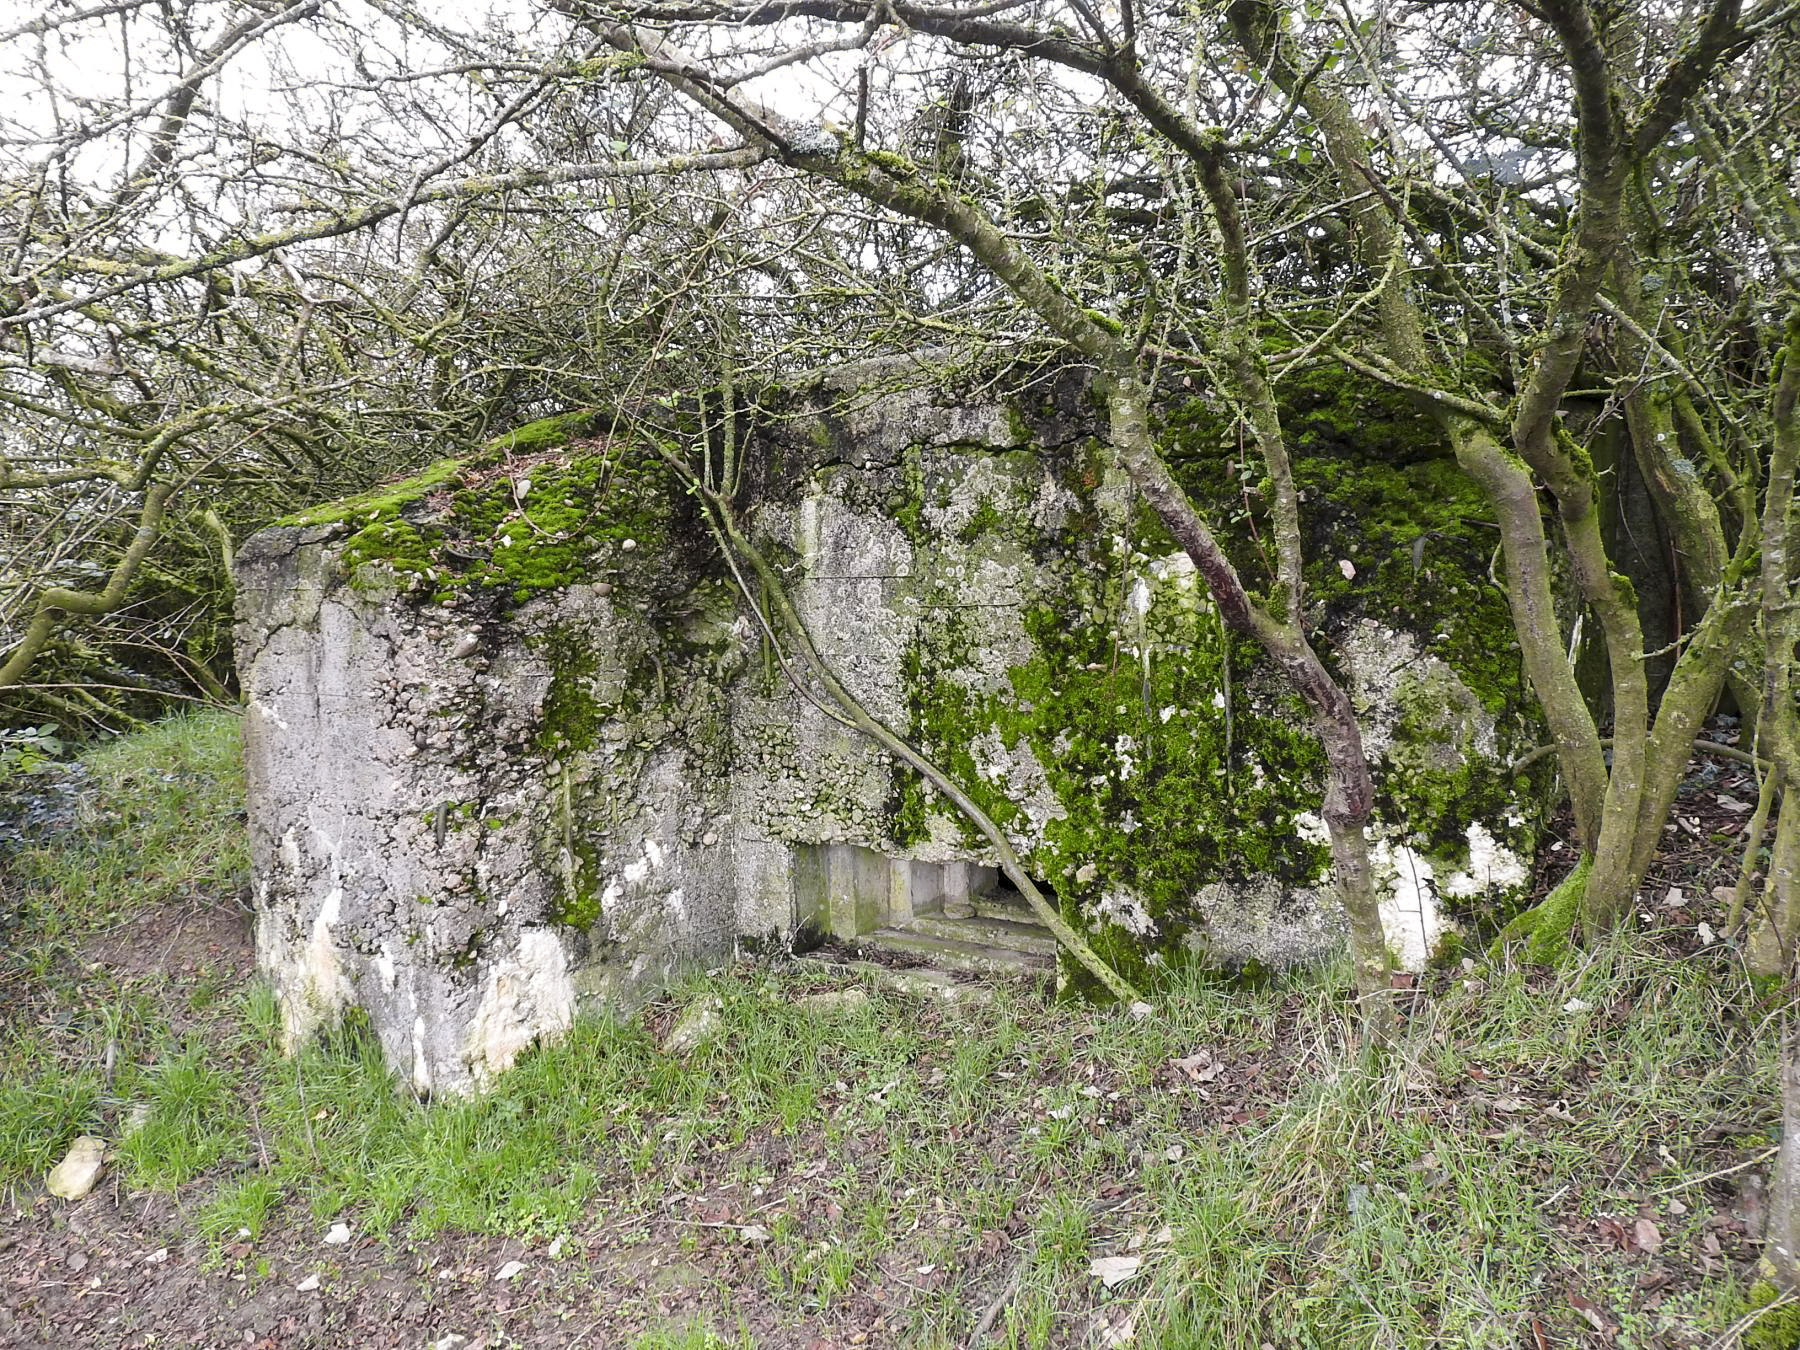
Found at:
(160, 823)
(1278, 1190)
(191, 1121)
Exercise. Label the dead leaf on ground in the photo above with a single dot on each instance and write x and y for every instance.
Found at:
(1113, 1271)
(1121, 1332)
(1200, 1066)
(1591, 1310)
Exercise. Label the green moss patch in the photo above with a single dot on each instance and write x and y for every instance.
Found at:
(1171, 758)
(1776, 1329)
(380, 503)
(1548, 928)
(525, 514)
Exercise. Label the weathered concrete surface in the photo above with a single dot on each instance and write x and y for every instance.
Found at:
(486, 792)
(418, 850)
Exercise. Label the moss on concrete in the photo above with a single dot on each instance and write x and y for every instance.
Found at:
(378, 503)
(527, 513)
(550, 433)
(572, 715)
(1139, 751)
(1173, 760)
(547, 536)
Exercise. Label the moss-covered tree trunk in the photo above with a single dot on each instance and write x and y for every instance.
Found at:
(1776, 932)
(1619, 809)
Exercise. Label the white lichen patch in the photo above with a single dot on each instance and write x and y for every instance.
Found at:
(641, 868)
(528, 995)
(1388, 670)
(1053, 505)
(1411, 918)
(1260, 920)
(1127, 910)
(1309, 828)
(983, 483)
(309, 977)
(268, 712)
(421, 1060)
(1177, 568)
(1017, 771)
(1491, 867)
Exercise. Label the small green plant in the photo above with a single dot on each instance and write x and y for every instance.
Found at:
(836, 1268)
(28, 750)
(694, 1336)
(241, 1208)
(1062, 1233)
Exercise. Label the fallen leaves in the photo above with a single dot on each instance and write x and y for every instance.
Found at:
(1631, 1235)
(1113, 1271)
(1591, 1311)
(1122, 1331)
(1200, 1067)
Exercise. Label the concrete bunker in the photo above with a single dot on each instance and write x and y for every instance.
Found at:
(518, 745)
(961, 915)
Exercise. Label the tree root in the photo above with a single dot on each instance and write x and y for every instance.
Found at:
(1548, 928)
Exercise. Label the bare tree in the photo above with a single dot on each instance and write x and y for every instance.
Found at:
(933, 196)
(1563, 263)
(1500, 218)
(211, 312)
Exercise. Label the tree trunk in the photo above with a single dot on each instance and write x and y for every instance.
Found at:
(1526, 555)
(1781, 1237)
(1777, 927)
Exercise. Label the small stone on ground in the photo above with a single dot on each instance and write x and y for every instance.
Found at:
(698, 1025)
(80, 1168)
(835, 1000)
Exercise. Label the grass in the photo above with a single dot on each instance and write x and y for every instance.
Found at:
(160, 827)
(809, 1162)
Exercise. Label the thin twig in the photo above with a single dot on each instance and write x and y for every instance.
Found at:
(1691, 1182)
